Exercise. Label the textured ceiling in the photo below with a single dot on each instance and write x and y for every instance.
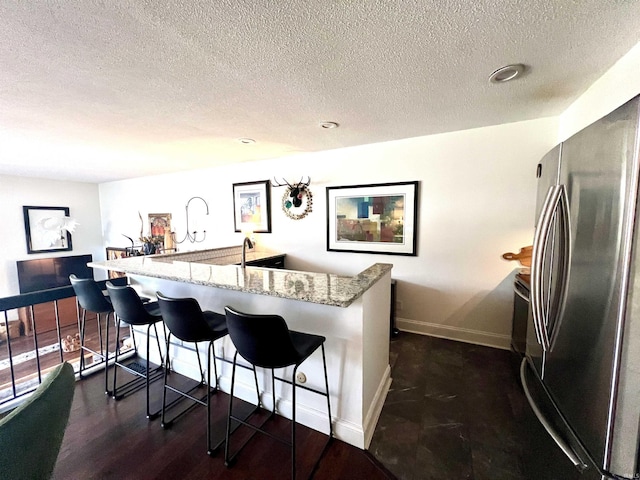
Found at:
(98, 91)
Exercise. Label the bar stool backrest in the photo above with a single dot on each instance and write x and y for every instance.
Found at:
(263, 340)
(128, 306)
(89, 295)
(184, 318)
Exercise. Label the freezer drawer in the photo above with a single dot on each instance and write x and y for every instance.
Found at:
(547, 436)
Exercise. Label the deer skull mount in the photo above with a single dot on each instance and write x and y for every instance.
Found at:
(297, 200)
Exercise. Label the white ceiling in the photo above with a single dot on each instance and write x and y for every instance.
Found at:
(98, 91)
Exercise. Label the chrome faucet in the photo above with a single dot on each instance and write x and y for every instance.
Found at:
(246, 243)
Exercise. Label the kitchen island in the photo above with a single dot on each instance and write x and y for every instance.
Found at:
(351, 311)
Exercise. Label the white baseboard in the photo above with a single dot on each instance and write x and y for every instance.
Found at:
(312, 413)
(455, 333)
(371, 419)
(310, 416)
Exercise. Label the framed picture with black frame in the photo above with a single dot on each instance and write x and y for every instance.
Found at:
(375, 218)
(252, 207)
(47, 229)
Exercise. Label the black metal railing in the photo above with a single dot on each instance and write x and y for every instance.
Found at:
(24, 380)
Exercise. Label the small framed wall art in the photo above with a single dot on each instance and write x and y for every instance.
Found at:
(252, 207)
(375, 218)
(160, 227)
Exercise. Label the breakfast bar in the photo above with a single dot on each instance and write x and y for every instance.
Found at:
(351, 311)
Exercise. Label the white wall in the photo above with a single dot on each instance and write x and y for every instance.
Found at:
(476, 202)
(15, 192)
(619, 84)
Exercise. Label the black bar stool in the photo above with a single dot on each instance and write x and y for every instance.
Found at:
(186, 321)
(91, 299)
(266, 341)
(129, 308)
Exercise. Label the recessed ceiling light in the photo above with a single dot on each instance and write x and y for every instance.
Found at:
(328, 125)
(246, 141)
(506, 73)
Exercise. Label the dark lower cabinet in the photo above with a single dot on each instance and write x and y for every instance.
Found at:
(273, 262)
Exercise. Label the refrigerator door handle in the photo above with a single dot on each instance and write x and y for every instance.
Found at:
(540, 241)
(566, 449)
(563, 270)
(536, 267)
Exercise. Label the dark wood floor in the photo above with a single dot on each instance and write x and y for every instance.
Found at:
(106, 439)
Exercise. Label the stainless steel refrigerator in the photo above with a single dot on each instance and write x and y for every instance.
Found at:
(581, 372)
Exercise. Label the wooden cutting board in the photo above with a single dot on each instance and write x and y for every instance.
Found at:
(523, 256)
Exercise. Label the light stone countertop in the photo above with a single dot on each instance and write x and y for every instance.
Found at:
(215, 268)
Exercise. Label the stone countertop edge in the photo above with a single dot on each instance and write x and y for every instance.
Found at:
(218, 256)
(322, 288)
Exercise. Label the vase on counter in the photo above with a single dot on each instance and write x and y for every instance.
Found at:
(148, 248)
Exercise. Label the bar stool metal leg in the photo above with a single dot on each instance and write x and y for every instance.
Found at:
(106, 353)
(293, 425)
(167, 363)
(104, 350)
(229, 460)
(326, 384)
(82, 335)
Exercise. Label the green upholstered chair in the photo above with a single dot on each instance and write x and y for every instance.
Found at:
(31, 435)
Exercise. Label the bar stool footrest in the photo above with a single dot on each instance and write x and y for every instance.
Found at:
(137, 383)
(185, 395)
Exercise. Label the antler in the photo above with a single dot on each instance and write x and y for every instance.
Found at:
(278, 184)
(275, 183)
(300, 183)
